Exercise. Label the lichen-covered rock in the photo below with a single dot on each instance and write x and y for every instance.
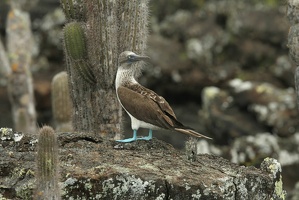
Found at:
(274, 107)
(252, 150)
(295, 195)
(273, 167)
(95, 169)
(292, 11)
(284, 70)
(220, 112)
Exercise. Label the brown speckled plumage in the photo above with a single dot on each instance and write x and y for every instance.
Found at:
(145, 107)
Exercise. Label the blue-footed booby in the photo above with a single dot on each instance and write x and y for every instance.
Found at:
(145, 108)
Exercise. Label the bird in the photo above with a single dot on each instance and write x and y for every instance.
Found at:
(145, 108)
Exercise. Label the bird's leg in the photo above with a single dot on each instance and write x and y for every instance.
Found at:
(134, 138)
(149, 137)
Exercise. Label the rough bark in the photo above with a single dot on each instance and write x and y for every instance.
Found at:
(104, 169)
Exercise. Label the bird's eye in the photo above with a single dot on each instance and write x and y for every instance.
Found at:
(130, 57)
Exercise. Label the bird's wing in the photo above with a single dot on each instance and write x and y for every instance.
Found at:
(147, 106)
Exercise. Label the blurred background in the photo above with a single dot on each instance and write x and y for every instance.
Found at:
(223, 66)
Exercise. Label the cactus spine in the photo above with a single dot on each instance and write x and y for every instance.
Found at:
(293, 39)
(20, 86)
(61, 102)
(5, 69)
(107, 29)
(47, 165)
(75, 46)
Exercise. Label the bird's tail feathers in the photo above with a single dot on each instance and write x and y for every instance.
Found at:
(191, 132)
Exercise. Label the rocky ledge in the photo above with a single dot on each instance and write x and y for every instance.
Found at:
(93, 168)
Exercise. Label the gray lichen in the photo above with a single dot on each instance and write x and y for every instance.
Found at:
(273, 167)
(145, 170)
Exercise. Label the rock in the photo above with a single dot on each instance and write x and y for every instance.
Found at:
(284, 70)
(273, 107)
(253, 53)
(292, 11)
(95, 168)
(295, 195)
(220, 113)
(252, 150)
(49, 34)
(162, 9)
(200, 50)
(169, 76)
(174, 24)
(273, 27)
(274, 168)
(173, 73)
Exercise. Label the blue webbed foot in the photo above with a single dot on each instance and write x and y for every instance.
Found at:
(134, 138)
(149, 137)
(127, 140)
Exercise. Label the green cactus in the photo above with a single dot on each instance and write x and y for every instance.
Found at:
(107, 29)
(75, 41)
(73, 9)
(61, 102)
(21, 119)
(75, 45)
(47, 165)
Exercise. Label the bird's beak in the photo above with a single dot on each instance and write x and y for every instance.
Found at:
(141, 58)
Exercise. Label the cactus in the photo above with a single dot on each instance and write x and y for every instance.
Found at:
(106, 30)
(297, 85)
(75, 46)
(47, 165)
(61, 102)
(5, 69)
(74, 9)
(293, 39)
(20, 86)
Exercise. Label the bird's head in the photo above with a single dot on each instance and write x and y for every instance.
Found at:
(128, 57)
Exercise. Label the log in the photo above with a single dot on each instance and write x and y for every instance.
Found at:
(93, 168)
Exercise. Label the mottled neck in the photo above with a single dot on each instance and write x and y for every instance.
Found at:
(124, 76)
